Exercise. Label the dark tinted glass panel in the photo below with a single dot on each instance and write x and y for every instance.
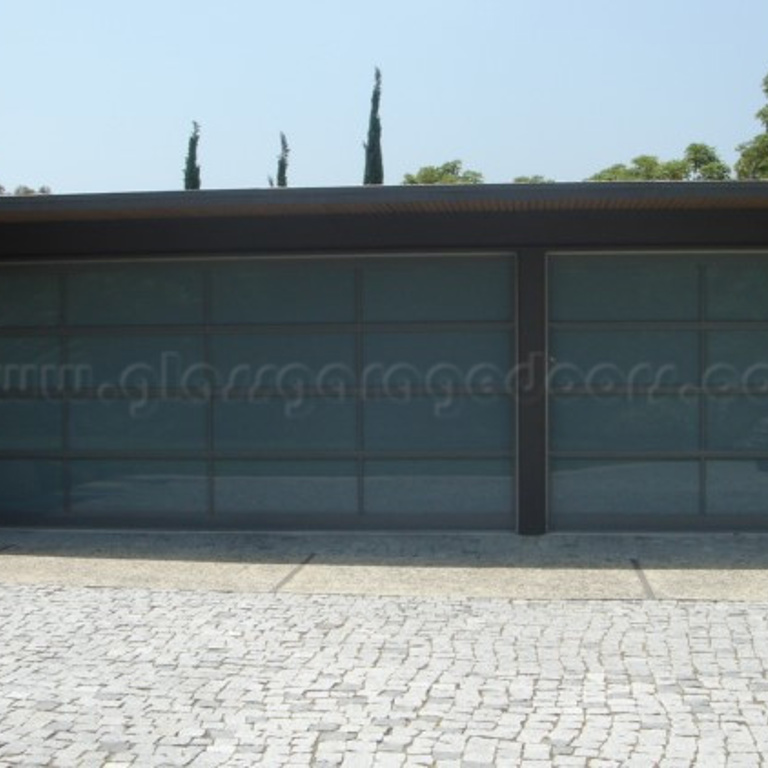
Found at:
(29, 297)
(602, 360)
(274, 424)
(737, 487)
(459, 424)
(269, 292)
(127, 362)
(622, 488)
(135, 294)
(317, 487)
(438, 290)
(436, 361)
(30, 425)
(29, 363)
(737, 289)
(148, 425)
(602, 288)
(167, 488)
(737, 424)
(409, 489)
(622, 424)
(737, 359)
(30, 489)
(285, 361)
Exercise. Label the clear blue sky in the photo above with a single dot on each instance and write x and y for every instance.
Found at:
(99, 95)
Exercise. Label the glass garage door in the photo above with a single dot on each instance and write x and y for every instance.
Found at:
(346, 393)
(658, 409)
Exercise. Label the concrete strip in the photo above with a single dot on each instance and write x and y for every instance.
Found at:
(293, 573)
(514, 583)
(710, 584)
(149, 574)
(561, 566)
(647, 588)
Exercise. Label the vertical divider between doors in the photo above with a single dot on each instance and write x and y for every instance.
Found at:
(209, 388)
(703, 405)
(359, 392)
(65, 391)
(532, 391)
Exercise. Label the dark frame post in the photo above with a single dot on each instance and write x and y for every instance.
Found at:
(532, 392)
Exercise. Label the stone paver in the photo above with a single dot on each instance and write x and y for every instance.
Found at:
(149, 677)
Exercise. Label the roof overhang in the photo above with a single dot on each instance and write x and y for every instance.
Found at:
(588, 214)
(388, 201)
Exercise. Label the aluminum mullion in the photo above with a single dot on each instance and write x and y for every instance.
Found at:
(359, 399)
(619, 326)
(661, 455)
(514, 351)
(688, 390)
(702, 401)
(207, 308)
(532, 393)
(197, 329)
(224, 455)
(66, 467)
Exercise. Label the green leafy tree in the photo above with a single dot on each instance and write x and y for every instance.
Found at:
(191, 167)
(700, 162)
(675, 170)
(762, 113)
(753, 159)
(536, 179)
(24, 191)
(374, 163)
(704, 164)
(753, 154)
(451, 172)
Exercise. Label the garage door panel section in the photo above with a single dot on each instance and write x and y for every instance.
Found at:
(624, 424)
(29, 298)
(30, 425)
(439, 493)
(658, 404)
(613, 358)
(435, 362)
(119, 363)
(617, 494)
(32, 492)
(143, 492)
(30, 363)
(284, 362)
(437, 425)
(276, 425)
(438, 290)
(737, 289)
(277, 494)
(259, 393)
(153, 425)
(627, 288)
(135, 294)
(273, 292)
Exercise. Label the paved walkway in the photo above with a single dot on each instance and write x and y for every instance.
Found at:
(283, 668)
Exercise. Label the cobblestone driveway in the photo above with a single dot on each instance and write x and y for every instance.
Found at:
(145, 677)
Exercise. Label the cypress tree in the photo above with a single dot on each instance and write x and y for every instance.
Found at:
(191, 168)
(282, 162)
(374, 165)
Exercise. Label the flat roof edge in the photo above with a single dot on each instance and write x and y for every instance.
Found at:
(386, 200)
